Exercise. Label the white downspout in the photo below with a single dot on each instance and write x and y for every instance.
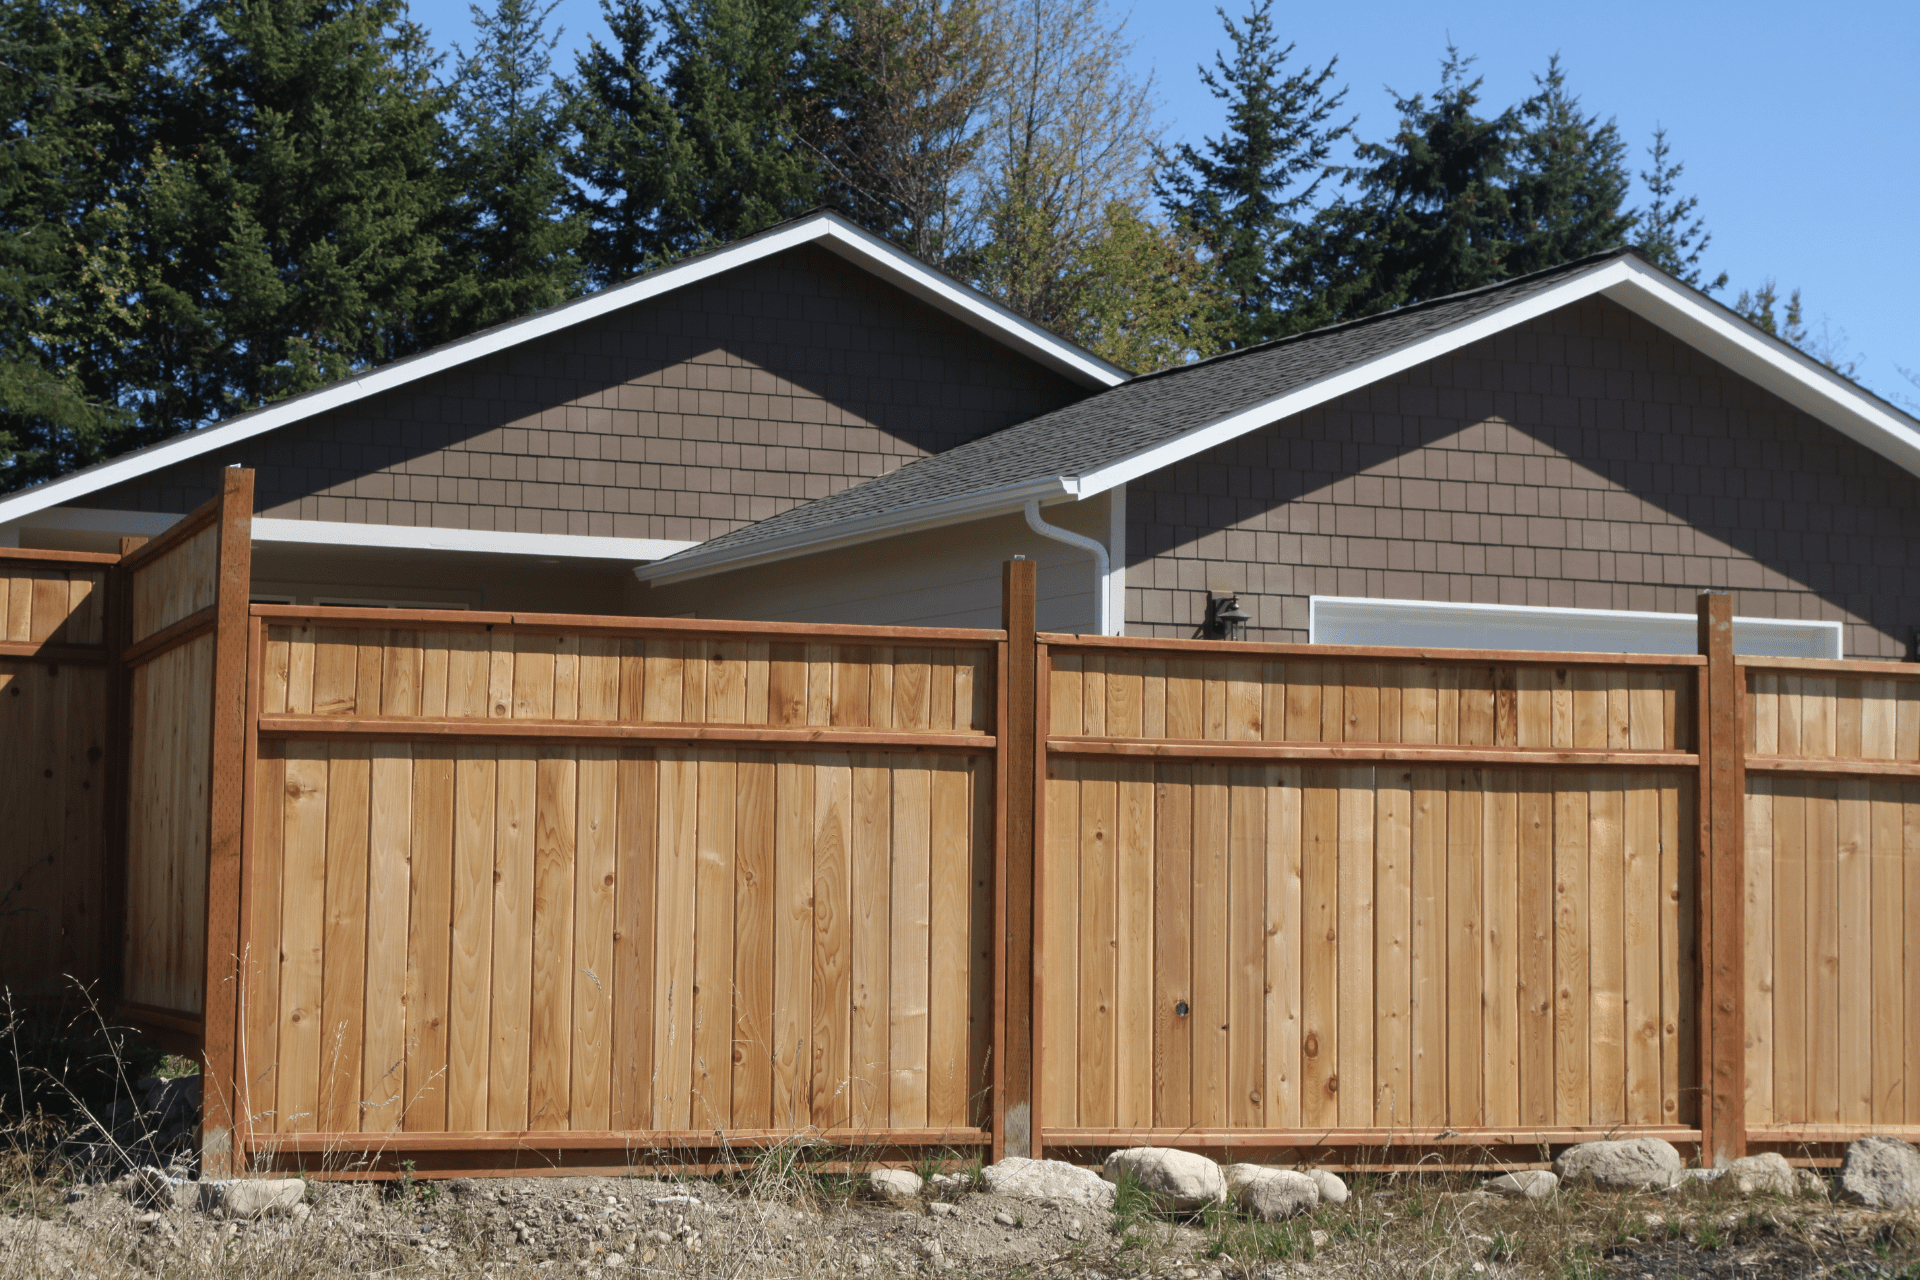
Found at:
(1103, 603)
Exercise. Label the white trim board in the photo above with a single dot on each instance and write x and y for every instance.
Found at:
(1641, 288)
(1423, 624)
(827, 230)
(339, 533)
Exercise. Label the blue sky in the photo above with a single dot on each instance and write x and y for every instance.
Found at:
(1799, 124)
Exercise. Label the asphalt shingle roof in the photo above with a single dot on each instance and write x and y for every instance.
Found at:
(1118, 423)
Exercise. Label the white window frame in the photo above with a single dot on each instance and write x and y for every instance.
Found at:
(1421, 624)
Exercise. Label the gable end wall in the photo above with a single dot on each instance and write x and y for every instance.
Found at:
(1584, 459)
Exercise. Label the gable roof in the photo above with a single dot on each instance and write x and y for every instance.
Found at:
(824, 229)
(1152, 421)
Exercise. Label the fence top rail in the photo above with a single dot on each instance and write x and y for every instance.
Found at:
(1364, 653)
(202, 517)
(620, 625)
(1832, 666)
(35, 555)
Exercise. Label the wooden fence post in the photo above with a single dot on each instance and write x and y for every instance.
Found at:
(1014, 883)
(1723, 1034)
(225, 804)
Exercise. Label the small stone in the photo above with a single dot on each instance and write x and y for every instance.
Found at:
(300, 1212)
(1005, 1219)
(940, 1209)
(1525, 1184)
(1332, 1189)
(1180, 1180)
(252, 1197)
(1881, 1173)
(1631, 1164)
(1319, 1239)
(1811, 1183)
(1271, 1194)
(864, 1261)
(616, 1260)
(1022, 1179)
(1767, 1173)
(895, 1184)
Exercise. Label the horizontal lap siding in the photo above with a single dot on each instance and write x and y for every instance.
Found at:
(1125, 694)
(472, 675)
(587, 938)
(1364, 947)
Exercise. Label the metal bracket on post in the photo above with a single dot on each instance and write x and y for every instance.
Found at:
(1723, 1073)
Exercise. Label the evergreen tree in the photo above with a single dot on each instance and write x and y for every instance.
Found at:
(628, 142)
(1244, 193)
(1669, 234)
(514, 237)
(1150, 297)
(319, 191)
(88, 93)
(1571, 181)
(739, 76)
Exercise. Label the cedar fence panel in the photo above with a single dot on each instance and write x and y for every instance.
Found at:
(1310, 899)
(614, 892)
(54, 768)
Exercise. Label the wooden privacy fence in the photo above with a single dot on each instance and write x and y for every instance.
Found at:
(488, 892)
(595, 892)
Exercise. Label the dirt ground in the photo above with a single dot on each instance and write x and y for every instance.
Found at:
(779, 1220)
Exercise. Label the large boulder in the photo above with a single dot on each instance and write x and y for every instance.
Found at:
(1881, 1173)
(1022, 1179)
(1767, 1173)
(899, 1185)
(1179, 1180)
(253, 1197)
(1270, 1194)
(1525, 1184)
(1631, 1164)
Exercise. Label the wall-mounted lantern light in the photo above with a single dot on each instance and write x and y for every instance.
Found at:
(1225, 619)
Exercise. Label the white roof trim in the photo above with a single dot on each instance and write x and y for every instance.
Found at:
(339, 533)
(1641, 288)
(885, 524)
(827, 230)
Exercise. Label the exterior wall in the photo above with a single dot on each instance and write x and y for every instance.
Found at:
(721, 403)
(1583, 460)
(946, 577)
(439, 579)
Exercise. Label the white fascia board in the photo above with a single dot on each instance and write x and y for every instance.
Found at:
(1798, 379)
(971, 308)
(886, 524)
(338, 533)
(1642, 289)
(1331, 387)
(835, 233)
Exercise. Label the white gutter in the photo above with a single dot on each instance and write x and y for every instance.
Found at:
(1103, 599)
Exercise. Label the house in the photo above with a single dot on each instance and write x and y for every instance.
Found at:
(809, 425)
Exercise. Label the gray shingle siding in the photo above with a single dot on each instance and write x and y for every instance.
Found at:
(1582, 459)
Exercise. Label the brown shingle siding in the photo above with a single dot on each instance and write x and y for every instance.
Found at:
(1584, 459)
(692, 412)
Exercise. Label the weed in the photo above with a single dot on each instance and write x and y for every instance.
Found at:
(1503, 1247)
(1249, 1241)
(1708, 1236)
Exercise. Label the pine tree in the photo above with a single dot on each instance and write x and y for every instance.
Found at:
(628, 142)
(514, 237)
(1669, 234)
(1244, 193)
(1572, 181)
(323, 190)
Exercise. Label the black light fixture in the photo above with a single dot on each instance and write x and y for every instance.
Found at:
(1225, 618)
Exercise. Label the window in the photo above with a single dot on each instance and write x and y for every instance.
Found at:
(1418, 624)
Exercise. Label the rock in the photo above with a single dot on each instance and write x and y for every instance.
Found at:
(1525, 1184)
(1319, 1239)
(1767, 1173)
(1881, 1173)
(152, 1188)
(1271, 1194)
(1006, 1219)
(1179, 1180)
(1811, 1183)
(1629, 1164)
(252, 1197)
(1022, 1179)
(940, 1209)
(895, 1184)
(1332, 1189)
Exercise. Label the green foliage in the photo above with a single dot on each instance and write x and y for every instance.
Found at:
(62, 1058)
(1245, 193)
(513, 238)
(1250, 1242)
(1147, 299)
(1764, 309)
(627, 142)
(1570, 183)
(1668, 232)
